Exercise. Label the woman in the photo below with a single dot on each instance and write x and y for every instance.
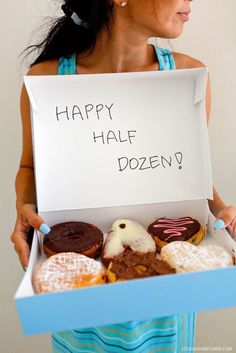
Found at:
(105, 36)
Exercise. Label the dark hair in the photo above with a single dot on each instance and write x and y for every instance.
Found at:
(66, 38)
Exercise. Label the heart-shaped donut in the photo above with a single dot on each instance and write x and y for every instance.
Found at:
(185, 257)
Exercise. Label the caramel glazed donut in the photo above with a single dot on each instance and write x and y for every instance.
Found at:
(132, 264)
(165, 230)
(79, 237)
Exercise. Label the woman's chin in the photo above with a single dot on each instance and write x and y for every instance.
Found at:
(170, 33)
(173, 34)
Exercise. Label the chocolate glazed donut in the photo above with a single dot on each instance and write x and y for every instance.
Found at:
(80, 237)
(165, 230)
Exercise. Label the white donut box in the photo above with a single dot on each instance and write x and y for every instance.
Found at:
(130, 145)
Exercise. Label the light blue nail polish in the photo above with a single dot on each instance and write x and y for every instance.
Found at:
(219, 224)
(44, 228)
(25, 268)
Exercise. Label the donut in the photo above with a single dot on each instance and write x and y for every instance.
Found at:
(132, 264)
(67, 271)
(126, 234)
(80, 237)
(185, 257)
(165, 230)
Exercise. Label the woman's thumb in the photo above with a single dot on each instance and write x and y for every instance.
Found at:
(224, 218)
(28, 211)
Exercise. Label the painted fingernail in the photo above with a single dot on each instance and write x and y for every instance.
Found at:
(219, 224)
(44, 228)
(25, 268)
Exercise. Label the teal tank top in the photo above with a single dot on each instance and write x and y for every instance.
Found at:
(67, 66)
(172, 334)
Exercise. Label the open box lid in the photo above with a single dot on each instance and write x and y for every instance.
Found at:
(119, 139)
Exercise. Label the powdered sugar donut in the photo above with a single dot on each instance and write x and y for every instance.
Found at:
(185, 257)
(127, 234)
(66, 271)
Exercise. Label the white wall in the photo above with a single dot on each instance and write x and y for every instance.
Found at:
(210, 36)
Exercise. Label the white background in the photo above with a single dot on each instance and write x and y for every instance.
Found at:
(210, 37)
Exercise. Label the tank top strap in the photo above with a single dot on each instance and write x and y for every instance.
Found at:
(67, 65)
(165, 59)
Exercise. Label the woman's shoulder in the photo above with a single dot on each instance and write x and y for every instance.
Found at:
(183, 61)
(48, 67)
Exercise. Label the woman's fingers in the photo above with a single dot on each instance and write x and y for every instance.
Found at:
(23, 252)
(19, 239)
(29, 216)
(27, 219)
(227, 219)
(28, 213)
(228, 215)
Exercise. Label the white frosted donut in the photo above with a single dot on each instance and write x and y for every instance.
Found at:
(127, 233)
(65, 271)
(186, 257)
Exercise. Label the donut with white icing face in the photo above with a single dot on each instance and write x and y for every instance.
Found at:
(67, 270)
(126, 234)
(185, 257)
(166, 230)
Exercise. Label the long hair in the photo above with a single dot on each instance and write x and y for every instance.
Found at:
(65, 38)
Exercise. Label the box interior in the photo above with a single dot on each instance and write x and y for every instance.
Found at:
(72, 186)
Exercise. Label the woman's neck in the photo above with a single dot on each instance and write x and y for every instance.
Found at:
(122, 51)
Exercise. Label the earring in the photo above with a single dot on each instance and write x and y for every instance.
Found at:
(123, 3)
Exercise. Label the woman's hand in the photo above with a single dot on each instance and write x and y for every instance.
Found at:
(21, 236)
(226, 218)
